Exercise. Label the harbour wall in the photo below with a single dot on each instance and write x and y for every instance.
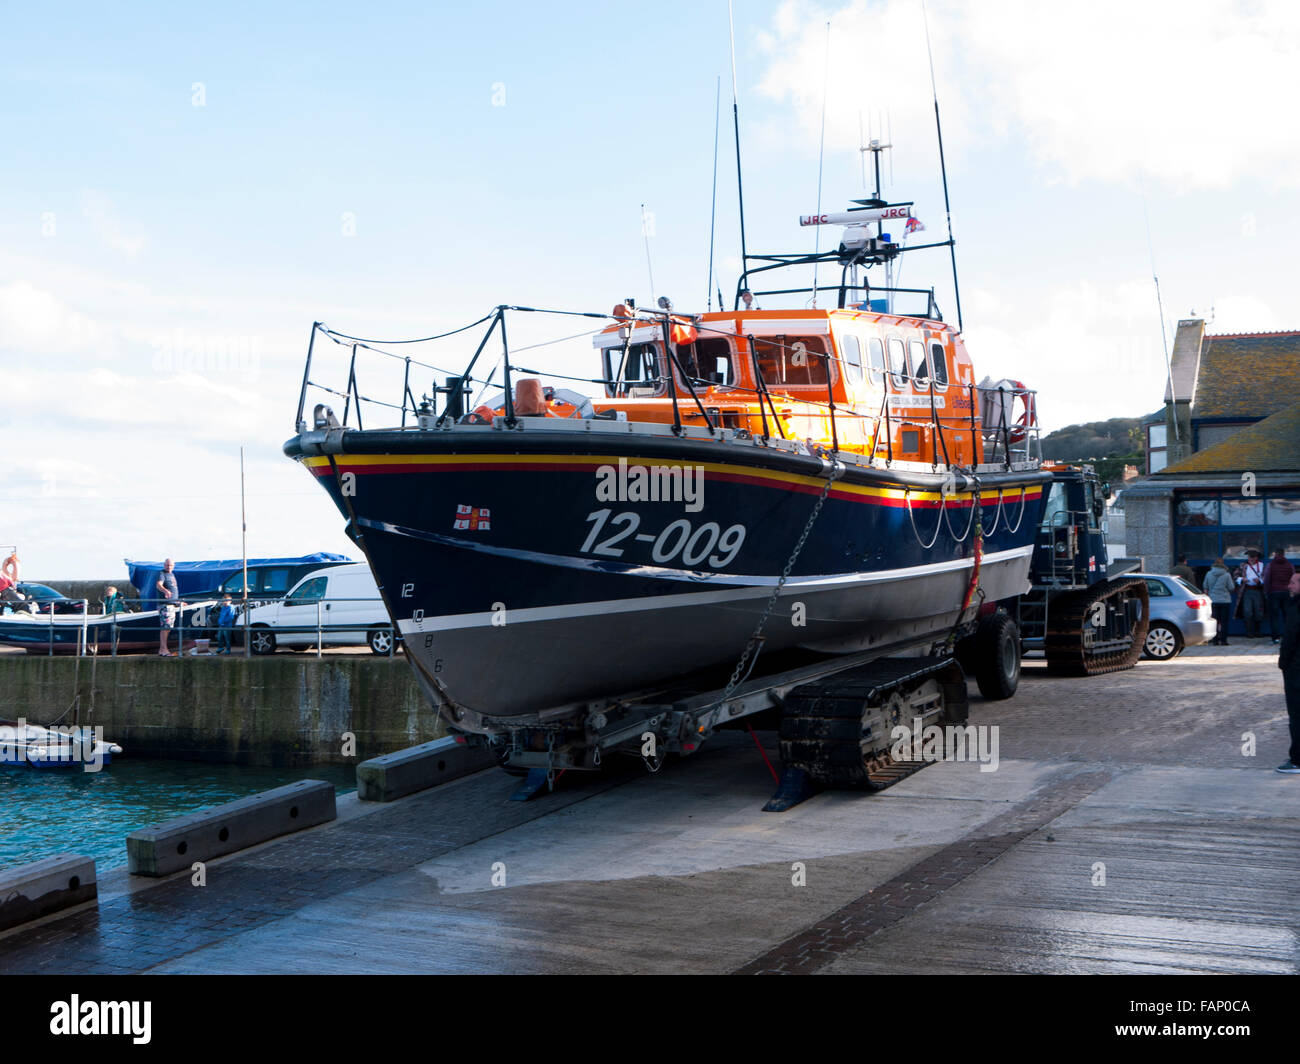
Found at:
(282, 710)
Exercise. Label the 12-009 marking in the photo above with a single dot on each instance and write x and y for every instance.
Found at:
(694, 545)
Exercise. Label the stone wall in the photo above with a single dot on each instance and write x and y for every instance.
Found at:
(1148, 525)
(278, 710)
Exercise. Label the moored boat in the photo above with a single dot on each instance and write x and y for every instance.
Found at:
(68, 746)
(112, 633)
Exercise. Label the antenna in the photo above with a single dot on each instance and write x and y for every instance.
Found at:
(1164, 338)
(943, 169)
(735, 118)
(821, 155)
(713, 211)
(861, 149)
(645, 234)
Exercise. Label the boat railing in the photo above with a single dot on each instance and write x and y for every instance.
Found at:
(1006, 444)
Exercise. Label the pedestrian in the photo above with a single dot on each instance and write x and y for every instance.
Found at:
(1184, 571)
(225, 624)
(1277, 578)
(170, 595)
(1219, 586)
(1251, 583)
(9, 576)
(1288, 660)
(113, 601)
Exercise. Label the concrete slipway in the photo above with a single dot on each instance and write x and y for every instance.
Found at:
(952, 870)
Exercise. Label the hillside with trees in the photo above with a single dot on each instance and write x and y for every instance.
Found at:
(1107, 445)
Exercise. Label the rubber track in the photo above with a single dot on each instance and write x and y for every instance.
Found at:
(1064, 642)
(821, 728)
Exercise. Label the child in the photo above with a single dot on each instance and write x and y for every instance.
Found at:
(225, 624)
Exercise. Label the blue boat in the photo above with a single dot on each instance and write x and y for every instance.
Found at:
(113, 633)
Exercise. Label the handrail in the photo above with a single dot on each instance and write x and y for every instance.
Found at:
(997, 435)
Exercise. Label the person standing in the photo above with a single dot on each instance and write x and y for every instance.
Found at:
(1251, 583)
(225, 624)
(1184, 571)
(1277, 578)
(1219, 586)
(10, 573)
(1288, 660)
(170, 595)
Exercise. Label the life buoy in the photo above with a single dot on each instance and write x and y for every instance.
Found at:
(1027, 422)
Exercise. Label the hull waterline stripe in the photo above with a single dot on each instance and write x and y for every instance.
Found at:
(397, 464)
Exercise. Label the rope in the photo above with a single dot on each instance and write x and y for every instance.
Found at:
(762, 753)
(422, 340)
(973, 585)
(938, 524)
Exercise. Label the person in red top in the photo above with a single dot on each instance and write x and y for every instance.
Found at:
(9, 580)
(1277, 579)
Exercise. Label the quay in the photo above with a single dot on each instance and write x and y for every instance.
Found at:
(1125, 830)
(284, 710)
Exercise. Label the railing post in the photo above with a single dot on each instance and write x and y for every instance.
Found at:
(406, 389)
(318, 630)
(301, 425)
(511, 421)
(85, 622)
(51, 629)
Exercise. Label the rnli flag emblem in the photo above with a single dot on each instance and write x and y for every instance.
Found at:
(473, 519)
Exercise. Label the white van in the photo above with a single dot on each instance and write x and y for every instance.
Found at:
(340, 606)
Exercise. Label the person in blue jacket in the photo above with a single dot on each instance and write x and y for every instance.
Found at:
(225, 624)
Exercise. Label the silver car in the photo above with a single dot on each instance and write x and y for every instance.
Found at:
(1180, 616)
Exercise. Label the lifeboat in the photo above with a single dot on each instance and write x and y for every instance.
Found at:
(729, 482)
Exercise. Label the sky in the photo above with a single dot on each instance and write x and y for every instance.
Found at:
(184, 189)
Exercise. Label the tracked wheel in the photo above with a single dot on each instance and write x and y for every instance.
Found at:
(838, 731)
(1098, 629)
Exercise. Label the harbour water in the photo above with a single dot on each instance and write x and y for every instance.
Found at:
(43, 813)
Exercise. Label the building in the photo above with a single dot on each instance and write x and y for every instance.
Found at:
(1224, 463)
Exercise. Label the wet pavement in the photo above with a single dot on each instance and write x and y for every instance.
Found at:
(1127, 828)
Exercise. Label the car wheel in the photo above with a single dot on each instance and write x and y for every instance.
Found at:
(1164, 641)
(381, 640)
(262, 640)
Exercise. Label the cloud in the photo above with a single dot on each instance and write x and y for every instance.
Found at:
(98, 209)
(1192, 94)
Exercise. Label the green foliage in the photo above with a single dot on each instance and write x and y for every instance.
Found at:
(1095, 441)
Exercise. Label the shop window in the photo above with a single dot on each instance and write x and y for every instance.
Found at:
(1198, 511)
(1243, 512)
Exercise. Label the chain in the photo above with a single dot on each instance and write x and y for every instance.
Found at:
(740, 672)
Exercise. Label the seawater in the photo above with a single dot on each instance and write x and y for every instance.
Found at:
(45, 812)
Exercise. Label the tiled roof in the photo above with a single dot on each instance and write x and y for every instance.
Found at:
(1247, 375)
(1268, 446)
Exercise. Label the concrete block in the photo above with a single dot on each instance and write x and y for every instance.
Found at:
(34, 890)
(381, 779)
(177, 844)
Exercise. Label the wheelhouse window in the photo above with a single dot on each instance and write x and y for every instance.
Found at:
(851, 354)
(638, 372)
(876, 361)
(792, 360)
(899, 370)
(920, 372)
(707, 361)
(938, 364)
